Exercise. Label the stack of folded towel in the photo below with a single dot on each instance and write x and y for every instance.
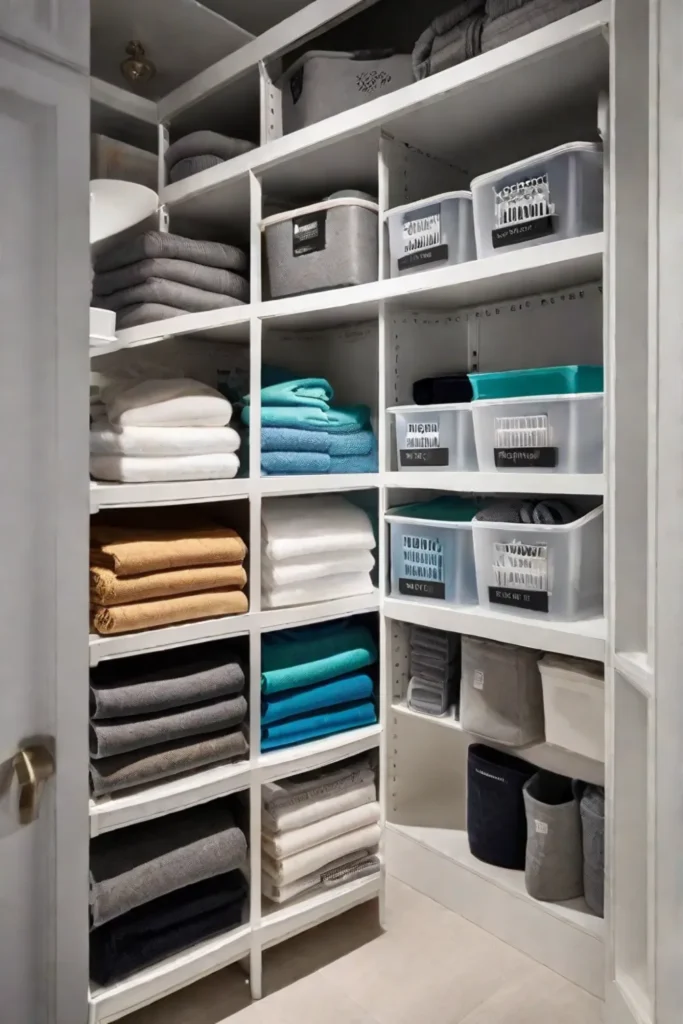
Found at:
(161, 886)
(156, 276)
(434, 671)
(314, 682)
(142, 431)
(319, 831)
(510, 19)
(315, 548)
(164, 713)
(302, 433)
(146, 576)
(200, 150)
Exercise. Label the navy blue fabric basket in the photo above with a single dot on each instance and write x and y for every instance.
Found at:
(496, 821)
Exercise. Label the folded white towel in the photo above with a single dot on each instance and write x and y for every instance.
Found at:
(286, 844)
(166, 403)
(138, 469)
(294, 803)
(296, 527)
(291, 869)
(329, 588)
(161, 441)
(314, 567)
(278, 893)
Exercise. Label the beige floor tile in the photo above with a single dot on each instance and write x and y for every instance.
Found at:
(539, 997)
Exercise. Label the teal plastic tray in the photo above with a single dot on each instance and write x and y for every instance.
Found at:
(544, 380)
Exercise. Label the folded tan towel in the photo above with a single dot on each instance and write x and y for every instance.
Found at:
(106, 588)
(131, 551)
(127, 618)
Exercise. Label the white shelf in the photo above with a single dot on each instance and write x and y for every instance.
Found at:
(284, 922)
(106, 495)
(231, 324)
(499, 483)
(115, 1001)
(126, 644)
(636, 668)
(175, 794)
(279, 486)
(323, 611)
(583, 639)
(308, 756)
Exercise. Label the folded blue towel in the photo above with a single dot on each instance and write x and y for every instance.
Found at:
(301, 417)
(289, 439)
(347, 419)
(310, 727)
(355, 464)
(307, 391)
(345, 445)
(294, 463)
(315, 698)
(294, 658)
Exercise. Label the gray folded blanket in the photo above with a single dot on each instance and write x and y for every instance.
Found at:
(131, 866)
(119, 735)
(170, 293)
(211, 279)
(112, 774)
(506, 20)
(157, 244)
(193, 165)
(202, 143)
(119, 690)
(451, 38)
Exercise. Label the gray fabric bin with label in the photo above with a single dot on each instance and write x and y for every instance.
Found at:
(593, 825)
(332, 244)
(501, 695)
(554, 849)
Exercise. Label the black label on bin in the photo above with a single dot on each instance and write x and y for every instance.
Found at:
(308, 233)
(422, 588)
(511, 234)
(424, 456)
(528, 600)
(421, 258)
(519, 458)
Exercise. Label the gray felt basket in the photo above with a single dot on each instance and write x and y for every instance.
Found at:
(501, 696)
(554, 849)
(593, 826)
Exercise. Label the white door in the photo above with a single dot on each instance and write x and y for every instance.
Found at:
(57, 28)
(44, 286)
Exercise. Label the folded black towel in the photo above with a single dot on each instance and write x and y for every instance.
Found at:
(166, 925)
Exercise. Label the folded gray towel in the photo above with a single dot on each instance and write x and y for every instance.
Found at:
(534, 14)
(202, 143)
(131, 866)
(211, 279)
(497, 8)
(118, 690)
(111, 774)
(149, 313)
(451, 38)
(119, 735)
(171, 293)
(156, 244)
(193, 165)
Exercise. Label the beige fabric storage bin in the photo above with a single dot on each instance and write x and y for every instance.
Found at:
(501, 698)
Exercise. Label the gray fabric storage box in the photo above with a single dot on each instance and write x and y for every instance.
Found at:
(554, 852)
(325, 82)
(593, 825)
(329, 245)
(501, 695)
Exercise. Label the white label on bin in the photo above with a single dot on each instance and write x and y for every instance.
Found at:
(541, 827)
(422, 238)
(478, 682)
(423, 568)
(422, 435)
(523, 211)
(422, 446)
(523, 442)
(520, 576)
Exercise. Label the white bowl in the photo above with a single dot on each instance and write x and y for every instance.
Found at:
(116, 206)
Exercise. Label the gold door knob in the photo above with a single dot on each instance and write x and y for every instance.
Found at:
(33, 766)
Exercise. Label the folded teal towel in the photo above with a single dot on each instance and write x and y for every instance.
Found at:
(289, 439)
(344, 445)
(443, 509)
(311, 727)
(294, 463)
(315, 698)
(355, 464)
(301, 417)
(308, 391)
(294, 658)
(347, 419)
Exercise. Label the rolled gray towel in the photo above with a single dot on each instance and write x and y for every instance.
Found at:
(170, 293)
(211, 279)
(193, 165)
(134, 865)
(158, 244)
(119, 735)
(552, 512)
(204, 143)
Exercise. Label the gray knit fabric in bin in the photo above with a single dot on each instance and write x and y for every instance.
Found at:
(549, 512)
(554, 855)
(592, 809)
(501, 694)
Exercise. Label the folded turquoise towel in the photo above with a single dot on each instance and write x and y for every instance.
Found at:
(294, 658)
(355, 464)
(294, 463)
(315, 698)
(443, 509)
(344, 445)
(308, 391)
(289, 439)
(347, 419)
(301, 417)
(311, 727)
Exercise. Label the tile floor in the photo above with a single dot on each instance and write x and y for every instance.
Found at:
(429, 967)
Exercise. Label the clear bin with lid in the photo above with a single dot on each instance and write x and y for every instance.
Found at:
(435, 437)
(435, 232)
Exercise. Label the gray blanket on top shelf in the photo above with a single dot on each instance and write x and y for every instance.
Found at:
(507, 20)
(210, 279)
(158, 244)
(183, 297)
(451, 38)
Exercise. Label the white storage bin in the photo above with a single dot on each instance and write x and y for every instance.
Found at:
(432, 559)
(547, 572)
(325, 82)
(435, 437)
(102, 326)
(557, 194)
(332, 244)
(550, 434)
(433, 232)
(574, 702)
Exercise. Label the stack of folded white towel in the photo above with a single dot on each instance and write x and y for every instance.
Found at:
(316, 548)
(148, 430)
(319, 831)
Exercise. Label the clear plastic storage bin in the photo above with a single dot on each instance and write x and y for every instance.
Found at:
(551, 434)
(546, 572)
(433, 232)
(557, 194)
(432, 560)
(574, 702)
(435, 437)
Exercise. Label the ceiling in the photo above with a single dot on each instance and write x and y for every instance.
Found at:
(256, 15)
